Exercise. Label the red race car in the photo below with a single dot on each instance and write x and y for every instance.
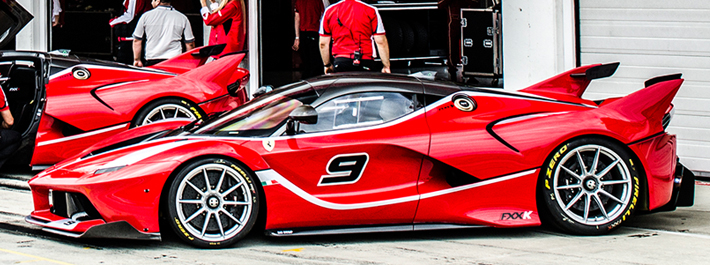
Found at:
(63, 104)
(356, 153)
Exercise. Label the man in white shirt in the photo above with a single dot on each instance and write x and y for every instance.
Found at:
(162, 29)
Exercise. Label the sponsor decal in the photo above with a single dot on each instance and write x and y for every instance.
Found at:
(553, 162)
(448, 106)
(516, 215)
(179, 225)
(268, 144)
(344, 169)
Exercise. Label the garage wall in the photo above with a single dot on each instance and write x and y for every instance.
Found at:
(651, 38)
(538, 40)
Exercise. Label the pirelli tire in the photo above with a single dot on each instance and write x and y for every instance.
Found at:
(589, 186)
(213, 203)
(167, 108)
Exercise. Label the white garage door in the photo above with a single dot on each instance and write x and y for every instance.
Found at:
(651, 38)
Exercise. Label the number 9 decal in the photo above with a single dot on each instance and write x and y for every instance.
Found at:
(344, 169)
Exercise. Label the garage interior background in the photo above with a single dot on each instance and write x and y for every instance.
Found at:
(537, 39)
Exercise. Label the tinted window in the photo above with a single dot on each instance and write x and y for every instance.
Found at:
(361, 109)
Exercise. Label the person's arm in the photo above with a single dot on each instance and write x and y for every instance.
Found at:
(7, 119)
(221, 16)
(56, 10)
(325, 54)
(189, 38)
(296, 24)
(137, 50)
(128, 16)
(384, 50)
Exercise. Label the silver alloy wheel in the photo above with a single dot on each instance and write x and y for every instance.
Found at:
(592, 185)
(213, 202)
(168, 111)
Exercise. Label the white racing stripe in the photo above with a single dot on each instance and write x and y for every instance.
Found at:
(269, 175)
(82, 135)
(94, 66)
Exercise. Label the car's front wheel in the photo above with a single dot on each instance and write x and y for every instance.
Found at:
(169, 108)
(589, 186)
(213, 203)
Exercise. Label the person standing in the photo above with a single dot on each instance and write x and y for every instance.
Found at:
(353, 25)
(227, 21)
(162, 29)
(307, 14)
(124, 25)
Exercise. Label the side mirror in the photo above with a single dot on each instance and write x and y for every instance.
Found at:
(262, 90)
(305, 114)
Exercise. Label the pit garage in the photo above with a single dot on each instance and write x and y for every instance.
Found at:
(423, 35)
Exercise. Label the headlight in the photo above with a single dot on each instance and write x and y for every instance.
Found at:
(108, 169)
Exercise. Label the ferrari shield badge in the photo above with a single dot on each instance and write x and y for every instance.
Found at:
(268, 145)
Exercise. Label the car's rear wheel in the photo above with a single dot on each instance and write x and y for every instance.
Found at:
(213, 203)
(589, 186)
(169, 108)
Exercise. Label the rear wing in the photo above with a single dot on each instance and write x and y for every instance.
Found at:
(573, 83)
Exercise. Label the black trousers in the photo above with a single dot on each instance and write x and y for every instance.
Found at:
(312, 64)
(9, 142)
(153, 62)
(343, 64)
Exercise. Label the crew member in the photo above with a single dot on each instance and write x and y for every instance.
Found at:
(124, 25)
(227, 21)
(352, 25)
(9, 139)
(307, 14)
(162, 29)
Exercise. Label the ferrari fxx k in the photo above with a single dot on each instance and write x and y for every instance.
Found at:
(352, 153)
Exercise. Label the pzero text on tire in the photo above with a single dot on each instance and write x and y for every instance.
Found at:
(589, 186)
(213, 203)
(168, 108)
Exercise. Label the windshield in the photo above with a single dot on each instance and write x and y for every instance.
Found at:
(262, 116)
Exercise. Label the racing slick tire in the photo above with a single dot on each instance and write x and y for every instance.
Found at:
(167, 108)
(589, 186)
(213, 203)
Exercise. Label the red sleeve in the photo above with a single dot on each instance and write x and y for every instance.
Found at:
(223, 15)
(3, 101)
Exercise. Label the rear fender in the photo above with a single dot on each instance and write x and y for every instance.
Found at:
(190, 59)
(646, 107)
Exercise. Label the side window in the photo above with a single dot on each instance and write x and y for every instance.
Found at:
(361, 109)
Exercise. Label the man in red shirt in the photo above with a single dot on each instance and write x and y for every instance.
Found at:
(353, 25)
(9, 139)
(307, 14)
